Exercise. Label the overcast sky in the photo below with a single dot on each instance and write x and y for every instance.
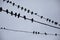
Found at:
(47, 8)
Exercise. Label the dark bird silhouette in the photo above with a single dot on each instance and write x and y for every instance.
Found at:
(0, 9)
(18, 6)
(24, 17)
(25, 9)
(15, 14)
(10, 2)
(31, 12)
(18, 15)
(7, 11)
(32, 19)
(7, 1)
(11, 13)
(35, 13)
(41, 17)
(28, 11)
(21, 8)
(13, 4)
(56, 23)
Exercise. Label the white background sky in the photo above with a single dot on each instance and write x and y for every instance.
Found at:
(47, 8)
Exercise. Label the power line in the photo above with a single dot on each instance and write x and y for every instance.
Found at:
(33, 32)
(32, 20)
(28, 11)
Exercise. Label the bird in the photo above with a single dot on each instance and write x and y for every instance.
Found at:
(21, 8)
(35, 13)
(15, 14)
(28, 11)
(25, 9)
(18, 6)
(32, 19)
(56, 23)
(18, 15)
(0, 9)
(31, 12)
(45, 33)
(7, 1)
(11, 13)
(41, 17)
(10, 2)
(7, 11)
(24, 17)
(13, 4)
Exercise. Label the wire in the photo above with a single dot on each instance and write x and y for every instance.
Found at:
(28, 11)
(32, 20)
(33, 32)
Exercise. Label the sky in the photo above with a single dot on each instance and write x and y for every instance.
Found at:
(47, 8)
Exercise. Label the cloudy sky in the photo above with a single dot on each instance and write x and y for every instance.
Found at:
(47, 8)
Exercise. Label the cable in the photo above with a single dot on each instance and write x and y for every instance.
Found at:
(32, 20)
(33, 32)
(28, 11)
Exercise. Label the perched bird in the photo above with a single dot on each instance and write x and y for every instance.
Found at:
(24, 17)
(15, 14)
(28, 11)
(31, 12)
(7, 1)
(11, 13)
(18, 6)
(32, 19)
(25, 9)
(21, 8)
(18, 15)
(0, 9)
(13, 4)
(7, 11)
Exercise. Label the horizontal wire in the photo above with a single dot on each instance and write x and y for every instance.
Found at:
(32, 20)
(33, 32)
(28, 11)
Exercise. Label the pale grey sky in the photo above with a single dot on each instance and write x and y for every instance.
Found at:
(47, 8)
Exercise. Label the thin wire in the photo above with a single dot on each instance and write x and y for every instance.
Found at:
(28, 11)
(29, 19)
(33, 32)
